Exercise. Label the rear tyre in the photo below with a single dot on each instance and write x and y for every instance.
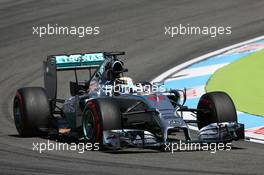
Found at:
(215, 107)
(31, 109)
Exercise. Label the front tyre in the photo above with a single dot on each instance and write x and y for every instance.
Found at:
(215, 107)
(92, 124)
(102, 114)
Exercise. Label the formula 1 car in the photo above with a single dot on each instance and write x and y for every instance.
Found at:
(113, 111)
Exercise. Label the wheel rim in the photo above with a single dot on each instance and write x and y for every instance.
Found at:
(88, 126)
(17, 115)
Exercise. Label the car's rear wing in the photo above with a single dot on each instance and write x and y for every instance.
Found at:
(65, 62)
(76, 61)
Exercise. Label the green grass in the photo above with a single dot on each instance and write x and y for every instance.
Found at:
(243, 80)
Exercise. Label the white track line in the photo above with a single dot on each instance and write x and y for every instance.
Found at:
(195, 72)
(200, 58)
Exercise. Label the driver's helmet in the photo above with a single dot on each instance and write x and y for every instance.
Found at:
(117, 68)
(113, 70)
(124, 85)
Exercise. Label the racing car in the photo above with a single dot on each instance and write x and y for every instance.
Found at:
(112, 110)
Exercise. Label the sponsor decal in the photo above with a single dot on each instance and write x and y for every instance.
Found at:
(155, 98)
(79, 58)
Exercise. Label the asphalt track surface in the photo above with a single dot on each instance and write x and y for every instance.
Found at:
(135, 27)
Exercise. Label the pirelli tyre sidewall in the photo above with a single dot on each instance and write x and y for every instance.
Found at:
(219, 107)
(92, 124)
(31, 110)
(100, 115)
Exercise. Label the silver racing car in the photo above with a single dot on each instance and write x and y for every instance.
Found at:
(112, 110)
